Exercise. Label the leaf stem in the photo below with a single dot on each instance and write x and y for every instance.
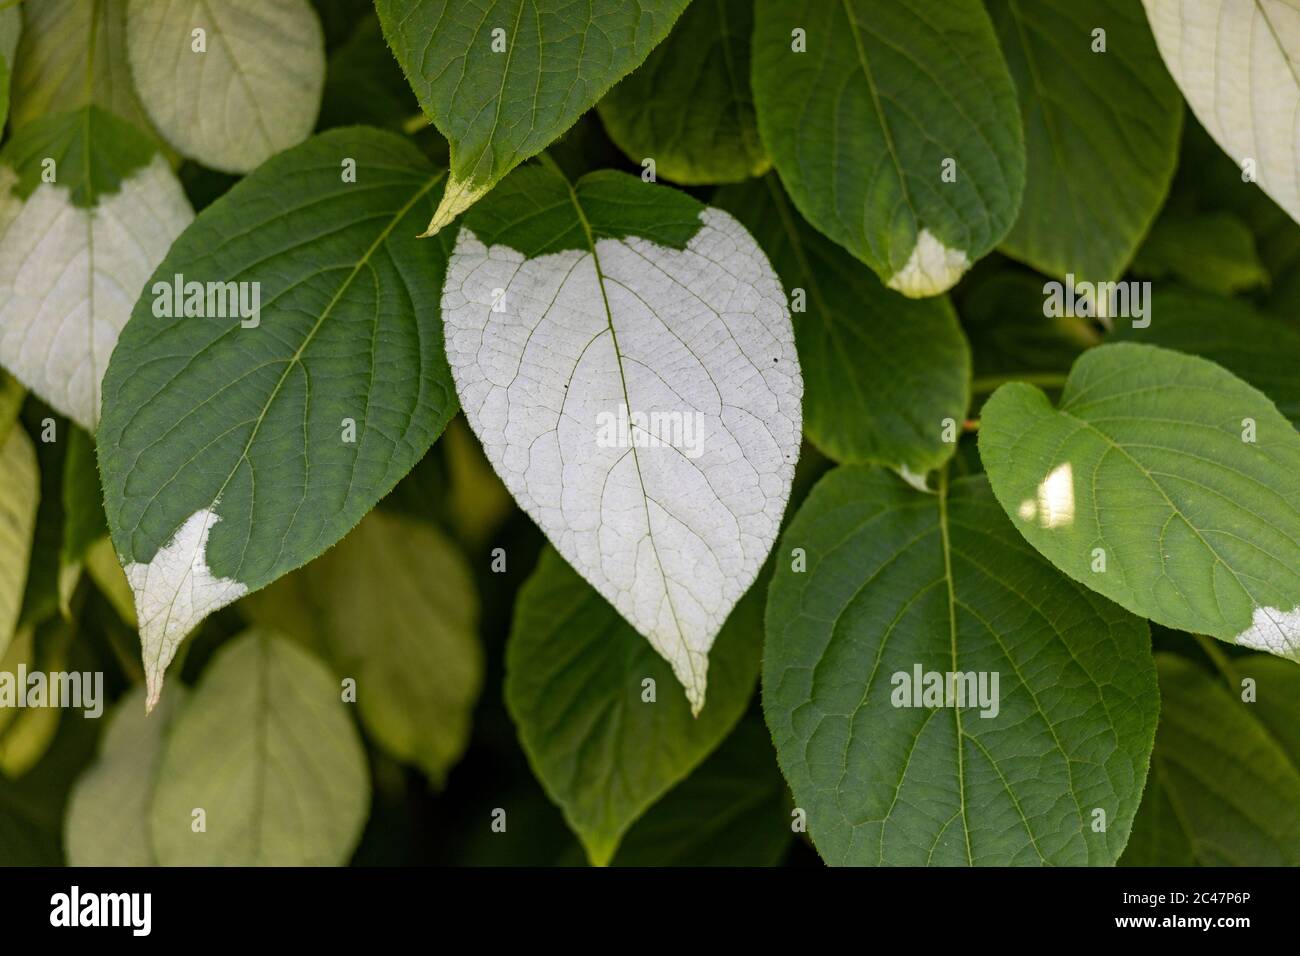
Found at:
(1219, 659)
(990, 383)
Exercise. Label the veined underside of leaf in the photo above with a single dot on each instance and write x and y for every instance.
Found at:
(904, 587)
(88, 207)
(1238, 64)
(502, 79)
(237, 447)
(573, 311)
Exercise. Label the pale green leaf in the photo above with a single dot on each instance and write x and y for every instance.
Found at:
(266, 749)
(234, 449)
(626, 358)
(1101, 132)
(72, 55)
(889, 96)
(1238, 64)
(577, 682)
(107, 819)
(881, 372)
(393, 607)
(502, 79)
(1163, 482)
(689, 106)
(37, 654)
(19, 495)
(1225, 774)
(253, 89)
(900, 582)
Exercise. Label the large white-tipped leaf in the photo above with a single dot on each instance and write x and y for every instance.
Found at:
(19, 494)
(88, 208)
(502, 79)
(1238, 64)
(571, 309)
(252, 90)
(236, 447)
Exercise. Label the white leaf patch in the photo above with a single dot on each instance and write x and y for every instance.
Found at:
(1274, 631)
(932, 268)
(254, 91)
(690, 350)
(69, 277)
(1238, 64)
(174, 592)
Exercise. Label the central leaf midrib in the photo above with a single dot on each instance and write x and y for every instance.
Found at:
(952, 633)
(618, 359)
(297, 357)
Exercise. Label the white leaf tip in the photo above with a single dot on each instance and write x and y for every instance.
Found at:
(932, 268)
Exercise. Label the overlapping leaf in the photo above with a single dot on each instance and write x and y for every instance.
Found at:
(1163, 482)
(503, 79)
(625, 356)
(901, 584)
(239, 443)
(602, 726)
(894, 126)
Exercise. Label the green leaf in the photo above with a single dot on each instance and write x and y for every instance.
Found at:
(74, 252)
(1163, 482)
(862, 125)
(900, 582)
(265, 747)
(576, 683)
(393, 606)
(253, 89)
(850, 331)
(20, 490)
(1214, 252)
(83, 502)
(12, 395)
(689, 106)
(107, 818)
(106, 571)
(1263, 350)
(224, 449)
(1225, 774)
(733, 810)
(1101, 132)
(1237, 66)
(11, 27)
(626, 358)
(27, 733)
(503, 79)
(72, 55)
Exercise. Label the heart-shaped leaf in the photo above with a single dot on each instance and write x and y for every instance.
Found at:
(626, 358)
(894, 126)
(1163, 482)
(503, 79)
(939, 694)
(282, 371)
